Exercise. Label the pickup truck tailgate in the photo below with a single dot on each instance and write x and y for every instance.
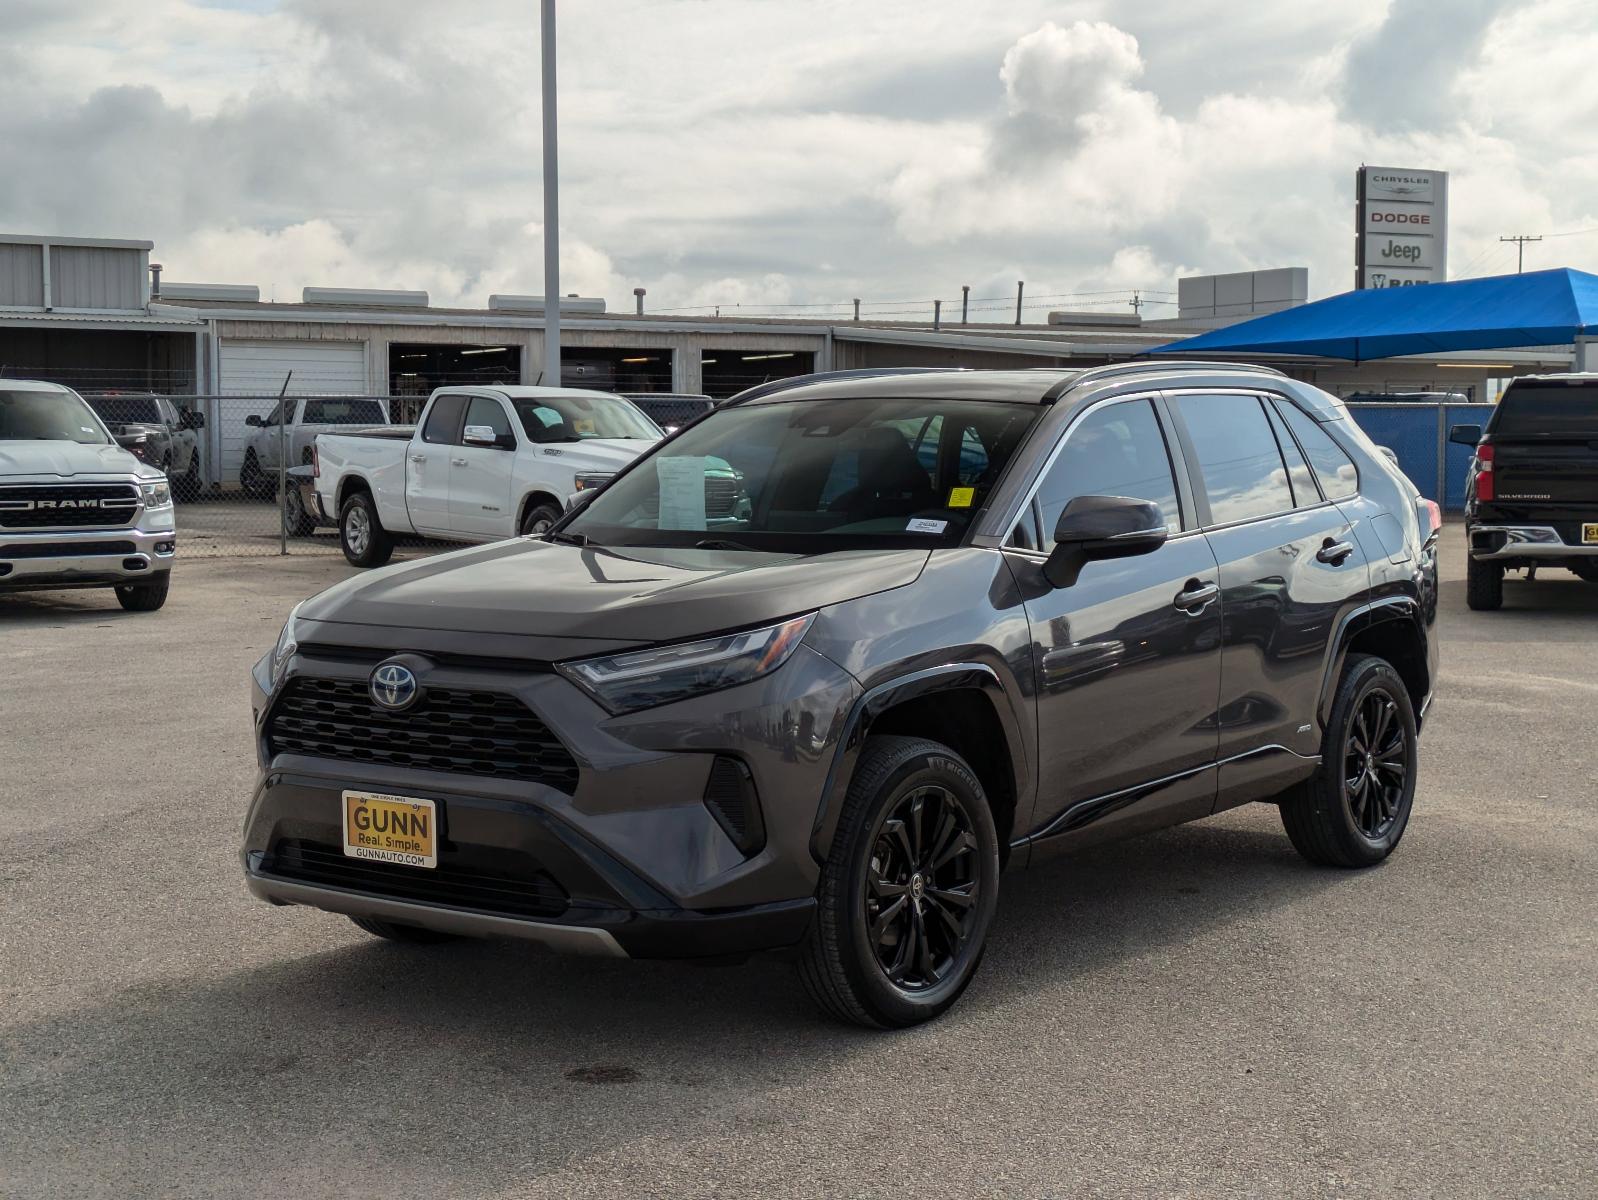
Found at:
(1545, 442)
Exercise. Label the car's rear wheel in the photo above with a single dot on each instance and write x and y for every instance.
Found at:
(300, 522)
(1484, 585)
(1354, 809)
(146, 595)
(364, 540)
(413, 934)
(909, 890)
(1586, 569)
(538, 519)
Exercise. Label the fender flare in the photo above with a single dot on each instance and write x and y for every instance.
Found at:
(871, 704)
(1357, 621)
(530, 495)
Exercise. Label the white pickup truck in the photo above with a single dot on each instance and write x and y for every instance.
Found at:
(291, 427)
(484, 463)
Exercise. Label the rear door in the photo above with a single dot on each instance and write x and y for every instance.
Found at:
(1291, 568)
(427, 466)
(1126, 659)
(1544, 435)
(480, 501)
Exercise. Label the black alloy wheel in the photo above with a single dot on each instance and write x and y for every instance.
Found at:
(1376, 764)
(922, 887)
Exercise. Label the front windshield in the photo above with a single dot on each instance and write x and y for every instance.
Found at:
(48, 417)
(121, 410)
(810, 476)
(577, 418)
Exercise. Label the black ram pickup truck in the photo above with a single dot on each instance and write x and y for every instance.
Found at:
(1531, 499)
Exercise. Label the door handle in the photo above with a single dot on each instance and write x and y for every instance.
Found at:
(418, 458)
(1195, 597)
(457, 462)
(1334, 552)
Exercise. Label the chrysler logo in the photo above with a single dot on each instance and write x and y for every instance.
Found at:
(393, 687)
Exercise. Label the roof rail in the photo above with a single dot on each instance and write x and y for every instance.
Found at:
(1142, 366)
(772, 386)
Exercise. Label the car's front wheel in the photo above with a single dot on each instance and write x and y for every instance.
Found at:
(537, 520)
(146, 596)
(361, 534)
(908, 891)
(1355, 807)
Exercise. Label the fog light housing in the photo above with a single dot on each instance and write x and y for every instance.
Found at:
(731, 798)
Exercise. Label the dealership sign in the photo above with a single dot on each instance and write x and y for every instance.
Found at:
(1402, 227)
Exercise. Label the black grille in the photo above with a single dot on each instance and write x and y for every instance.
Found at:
(730, 797)
(721, 495)
(459, 732)
(65, 549)
(19, 505)
(529, 891)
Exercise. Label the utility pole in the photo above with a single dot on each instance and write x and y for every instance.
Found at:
(965, 302)
(1137, 304)
(1020, 287)
(551, 202)
(1520, 241)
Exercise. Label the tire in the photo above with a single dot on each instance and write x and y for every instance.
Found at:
(538, 519)
(879, 864)
(414, 934)
(147, 595)
(1336, 819)
(256, 482)
(361, 534)
(188, 487)
(300, 523)
(1587, 570)
(1484, 585)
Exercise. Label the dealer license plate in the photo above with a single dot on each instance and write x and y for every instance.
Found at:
(1589, 535)
(394, 829)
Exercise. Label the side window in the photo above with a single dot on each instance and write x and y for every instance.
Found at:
(484, 411)
(1336, 471)
(444, 420)
(1243, 472)
(1305, 493)
(272, 417)
(1117, 450)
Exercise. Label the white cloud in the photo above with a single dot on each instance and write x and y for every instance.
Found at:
(738, 152)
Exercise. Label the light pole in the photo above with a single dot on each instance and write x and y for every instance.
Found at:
(551, 202)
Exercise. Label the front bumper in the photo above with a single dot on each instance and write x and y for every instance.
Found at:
(1497, 543)
(83, 557)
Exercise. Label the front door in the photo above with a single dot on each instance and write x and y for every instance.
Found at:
(427, 464)
(1127, 660)
(1291, 568)
(274, 434)
(480, 501)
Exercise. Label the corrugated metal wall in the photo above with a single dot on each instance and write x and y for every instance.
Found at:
(97, 277)
(21, 275)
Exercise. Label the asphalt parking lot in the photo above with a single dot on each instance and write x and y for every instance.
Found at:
(1197, 1013)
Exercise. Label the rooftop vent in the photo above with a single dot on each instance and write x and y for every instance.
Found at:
(244, 293)
(535, 304)
(1096, 320)
(382, 297)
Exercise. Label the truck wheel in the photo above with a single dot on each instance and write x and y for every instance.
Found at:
(538, 519)
(1355, 807)
(366, 543)
(908, 891)
(256, 483)
(187, 487)
(146, 596)
(1586, 569)
(299, 522)
(413, 934)
(1484, 585)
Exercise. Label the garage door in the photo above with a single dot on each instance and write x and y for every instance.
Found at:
(257, 369)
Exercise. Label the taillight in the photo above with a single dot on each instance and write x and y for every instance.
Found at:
(316, 462)
(1484, 471)
(1434, 516)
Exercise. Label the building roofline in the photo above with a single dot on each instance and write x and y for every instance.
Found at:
(36, 239)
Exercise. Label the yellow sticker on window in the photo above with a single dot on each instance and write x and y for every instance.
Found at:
(584, 425)
(961, 497)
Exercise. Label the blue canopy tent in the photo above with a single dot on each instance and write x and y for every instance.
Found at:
(1540, 308)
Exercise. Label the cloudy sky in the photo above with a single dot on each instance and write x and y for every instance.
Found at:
(765, 152)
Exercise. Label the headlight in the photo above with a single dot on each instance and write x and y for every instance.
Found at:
(644, 678)
(157, 495)
(588, 482)
(287, 644)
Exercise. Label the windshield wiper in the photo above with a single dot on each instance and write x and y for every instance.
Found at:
(721, 544)
(570, 539)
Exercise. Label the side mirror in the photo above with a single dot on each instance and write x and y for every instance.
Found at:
(1465, 435)
(1098, 527)
(485, 435)
(254, 420)
(192, 419)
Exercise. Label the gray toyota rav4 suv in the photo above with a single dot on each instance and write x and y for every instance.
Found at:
(812, 672)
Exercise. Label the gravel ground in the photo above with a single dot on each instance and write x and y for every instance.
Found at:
(1197, 1013)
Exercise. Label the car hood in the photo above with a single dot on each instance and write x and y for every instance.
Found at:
(595, 454)
(630, 595)
(69, 458)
